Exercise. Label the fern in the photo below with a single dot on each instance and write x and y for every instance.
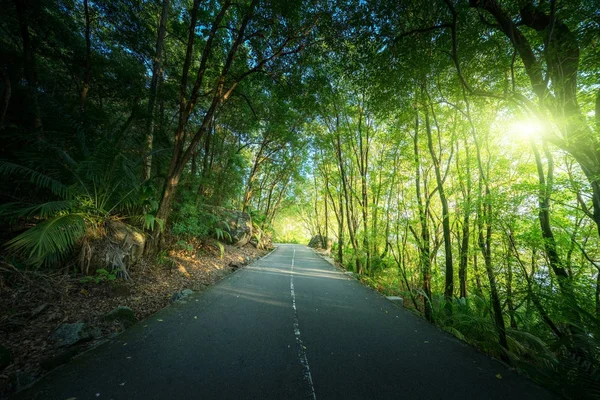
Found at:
(222, 233)
(50, 240)
(221, 249)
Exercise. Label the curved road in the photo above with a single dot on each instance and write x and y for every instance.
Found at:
(289, 326)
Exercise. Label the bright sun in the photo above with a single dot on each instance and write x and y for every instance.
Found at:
(525, 129)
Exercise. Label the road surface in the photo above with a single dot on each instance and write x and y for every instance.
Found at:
(289, 326)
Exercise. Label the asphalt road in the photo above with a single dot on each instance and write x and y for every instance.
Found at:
(289, 326)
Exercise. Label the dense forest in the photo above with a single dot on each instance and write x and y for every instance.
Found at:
(449, 152)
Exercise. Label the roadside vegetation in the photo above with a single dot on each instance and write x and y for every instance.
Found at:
(451, 153)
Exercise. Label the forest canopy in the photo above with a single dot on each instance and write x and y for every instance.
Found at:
(451, 152)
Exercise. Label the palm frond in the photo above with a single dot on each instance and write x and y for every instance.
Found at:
(44, 210)
(51, 240)
(37, 178)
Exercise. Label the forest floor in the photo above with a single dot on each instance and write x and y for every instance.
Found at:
(34, 303)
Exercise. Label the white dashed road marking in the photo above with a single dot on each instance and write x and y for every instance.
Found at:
(301, 348)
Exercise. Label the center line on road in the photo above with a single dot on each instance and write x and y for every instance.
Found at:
(301, 348)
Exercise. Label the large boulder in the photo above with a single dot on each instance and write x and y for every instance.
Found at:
(237, 224)
(320, 242)
(118, 248)
(70, 334)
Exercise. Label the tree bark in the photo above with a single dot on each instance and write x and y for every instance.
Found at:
(424, 240)
(340, 159)
(29, 63)
(449, 286)
(87, 74)
(484, 222)
(464, 244)
(156, 72)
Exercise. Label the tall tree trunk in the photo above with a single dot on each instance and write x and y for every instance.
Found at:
(363, 165)
(449, 286)
(464, 244)
(87, 75)
(347, 198)
(424, 242)
(544, 193)
(181, 154)
(258, 160)
(5, 96)
(156, 72)
(29, 63)
(484, 234)
(509, 293)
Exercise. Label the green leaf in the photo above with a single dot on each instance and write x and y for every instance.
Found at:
(50, 240)
(40, 180)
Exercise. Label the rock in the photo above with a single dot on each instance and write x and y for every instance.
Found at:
(121, 247)
(234, 265)
(237, 223)
(320, 242)
(70, 334)
(182, 294)
(396, 299)
(123, 314)
(6, 357)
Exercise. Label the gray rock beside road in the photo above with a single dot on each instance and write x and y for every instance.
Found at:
(181, 295)
(70, 334)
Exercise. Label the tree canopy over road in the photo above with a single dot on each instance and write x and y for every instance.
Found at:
(450, 151)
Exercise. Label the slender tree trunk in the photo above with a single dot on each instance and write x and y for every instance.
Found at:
(464, 247)
(363, 166)
(531, 292)
(29, 63)
(5, 96)
(340, 159)
(87, 75)
(509, 293)
(388, 209)
(156, 72)
(544, 194)
(341, 229)
(424, 245)
(449, 286)
(484, 221)
(326, 239)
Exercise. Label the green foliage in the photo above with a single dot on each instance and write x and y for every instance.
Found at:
(221, 234)
(221, 249)
(50, 241)
(101, 276)
(190, 221)
(99, 187)
(183, 245)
